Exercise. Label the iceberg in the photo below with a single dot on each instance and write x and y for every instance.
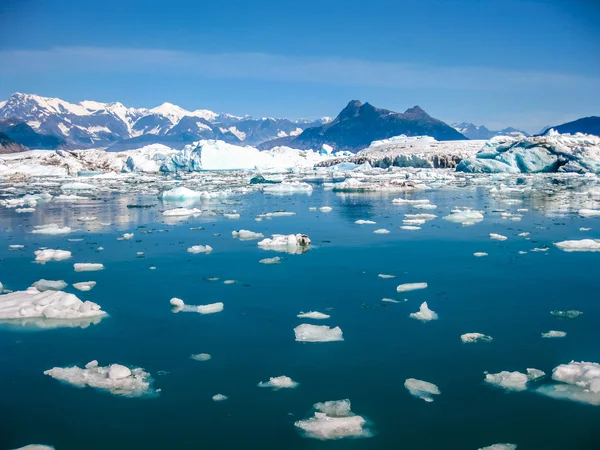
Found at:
(406, 287)
(317, 333)
(579, 382)
(181, 193)
(84, 286)
(116, 379)
(465, 217)
(325, 209)
(291, 243)
(570, 314)
(582, 245)
(51, 229)
(78, 187)
(88, 267)
(424, 314)
(231, 216)
(475, 337)
(334, 420)
(49, 285)
(201, 357)
(513, 381)
(497, 237)
(246, 235)
(422, 389)
(195, 249)
(43, 256)
(277, 383)
(313, 315)
(554, 334)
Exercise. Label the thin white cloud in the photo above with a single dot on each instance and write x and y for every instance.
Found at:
(261, 66)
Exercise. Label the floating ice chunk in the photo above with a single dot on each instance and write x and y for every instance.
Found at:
(211, 308)
(589, 212)
(86, 219)
(313, 315)
(219, 398)
(404, 201)
(422, 216)
(364, 222)
(278, 214)
(15, 247)
(581, 383)
(177, 302)
(479, 254)
(24, 210)
(78, 187)
(554, 334)
(386, 276)
(277, 383)
(69, 198)
(230, 282)
(569, 314)
(424, 314)
(325, 209)
(49, 285)
(231, 216)
(390, 300)
(582, 245)
(497, 237)
(294, 187)
(274, 260)
(116, 379)
(475, 337)
(246, 235)
(50, 305)
(88, 267)
(127, 236)
(381, 231)
(334, 420)
(524, 234)
(424, 206)
(500, 447)
(84, 286)
(180, 193)
(312, 208)
(584, 229)
(465, 217)
(43, 256)
(406, 287)
(201, 357)
(317, 333)
(291, 243)
(181, 212)
(410, 228)
(36, 447)
(513, 381)
(421, 389)
(195, 249)
(51, 229)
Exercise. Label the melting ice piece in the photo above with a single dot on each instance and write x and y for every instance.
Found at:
(195, 249)
(524, 234)
(569, 314)
(364, 222)
(513, 381)
(86, 218)
(294, 187)
(291, 243)
(277, 383)
(406, 287)
(313, 315)
(231, 215)
(15, 247)
(421, 389)
(381, 231)
(246, 235)
(77, 187)
(554, 334)
(465, 217)
(404, 201)
(84, 286)
(181, 193)
(210, 308)
(181, 212)
(116, 379)
(219, 398)
(390, 300)
(325, 209)
(424, 314)
(201, 357)
(497, 237)
(178, 305)
(589, 212)
(274, 260)
(278, 214)
(317, 333)
(88, 267)
(334, 420)
(51, 229)
(582, 245)
(410, 228)
(48, 309)
(479, 254)
(49, 285)
(475, 337)
(126, 236)
(386, 276)
(580, 382)
(500, 447)
(36, 447)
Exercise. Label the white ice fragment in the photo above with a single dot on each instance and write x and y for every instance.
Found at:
(231, 215)
(589, 212)
(313, 315)
(386, 276)
(390, 300)
(49, 285)
(424, 314)
(274, 260)
(177, 302)
(78, 187)
(404, 201)
(291, 243)
(479, 254)
(364, 222)
(51, 229)
(580, 382)
(43, 256)
(181, 212)
(88, 267)
(86, 219)
(500, 447)
(210, 308)
(230, 282)
(497, 237)
(465, 217)
(246, 235)
(410, 228)
(277, 383)
(84, 286)
(582, 245)
(294, 187)
(201, 357)
(584, 229)
(554, 334)
(325, 209)
(513, 381)
(15, 247)
(195, 249)
(406, 287)
(127, 236)
(421, 389)
(35, 447)
(524, 234)
(475, 337)
(381, 231)
(317, 333)
(334, 420)
(219, 398)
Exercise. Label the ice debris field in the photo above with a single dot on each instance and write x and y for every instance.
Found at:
(219, 295)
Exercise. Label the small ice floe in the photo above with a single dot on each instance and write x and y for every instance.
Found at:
(78, 187)
(569, 314)
(334, 420)
(589, 212)
(475, 337)
(116, 379)
(465, 217)
(582, 245)
(406, 287)
(24, 210)
(277, 383)
(181, 193)
(219, 398)
(69, 198)
(479, 254)
(390, 300)
(419, 218)
(424, 206)
(405, 201)
(230, 282)
(513, 381)
(410, 227)
(540, 249)
(84, 286)
(195, 249)
(497, 237)
(584, 229)
(278, 214)
(88, 267)
(47, 309)
(294, 187)
(86, 218)
(291, 243)
(381, 231)
(521, 252)
(43, 256)
(578, 381)
(231, 215)
(36, 447)
(500, 447)
(325, 209)
(51, 229)
(181, 212)
(317, 333)
(386, 276)
(246, 235)
(312, 208)
(421, 389)
(424, 314)
(524, 234)
(274, 260)
(554, 334)
(179, 305)
(313, 315)
(201, 357)
(365, 222)
(75, 240)
(49, 285)
(125, 237)
(15, 247)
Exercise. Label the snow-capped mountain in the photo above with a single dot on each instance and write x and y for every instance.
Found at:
(91, 124)
(473, 131)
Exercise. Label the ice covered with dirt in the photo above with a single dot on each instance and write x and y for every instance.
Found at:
(334, 420)
(317, 333)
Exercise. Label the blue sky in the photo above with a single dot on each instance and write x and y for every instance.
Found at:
(521, 63)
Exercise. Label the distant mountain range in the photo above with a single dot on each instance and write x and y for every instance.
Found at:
(588, 125)
(7, 145)
(48, 123)
(358, 124)
(473, 131)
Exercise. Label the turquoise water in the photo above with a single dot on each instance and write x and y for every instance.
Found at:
(505, 295)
